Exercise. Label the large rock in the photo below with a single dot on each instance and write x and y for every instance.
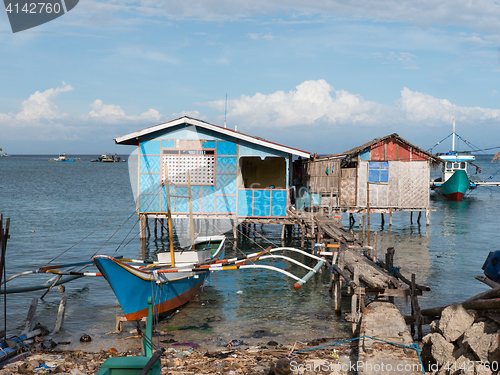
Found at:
(494, 350)
(436, 350)
(455, 320)
(465, 364)
(479, 338)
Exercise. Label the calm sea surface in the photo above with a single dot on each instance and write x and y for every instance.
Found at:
(71, 211)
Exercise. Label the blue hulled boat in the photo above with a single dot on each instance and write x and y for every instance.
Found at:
(169, 287)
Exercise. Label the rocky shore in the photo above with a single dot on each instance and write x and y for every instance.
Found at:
(192, 358)
(463, 341)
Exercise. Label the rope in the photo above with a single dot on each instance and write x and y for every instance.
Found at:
(107, 222)
(87, 236)
(413, 346)
(393, 270)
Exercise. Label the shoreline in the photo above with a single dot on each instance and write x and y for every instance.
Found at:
(193, 358)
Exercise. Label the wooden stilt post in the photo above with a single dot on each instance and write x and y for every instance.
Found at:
(364, 233)
(374, 251)
(235, 232)
(389, 263)
(415, 308)
(428, 214)
(147, 226)
(283, 233)
(162, 225)
(382, 219)
(411, 217)
(156, 227)
(419, 216)
(354, 300)
(368, 209)
(337, 290)
(390, 217)
(142, 231)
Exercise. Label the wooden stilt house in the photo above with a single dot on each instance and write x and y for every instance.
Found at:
(232, 175)
(386, 174)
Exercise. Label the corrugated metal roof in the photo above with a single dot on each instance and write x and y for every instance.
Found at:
(133, 138)
(359, 149)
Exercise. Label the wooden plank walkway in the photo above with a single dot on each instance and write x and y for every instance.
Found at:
(369, 273)
(334, 230)
(382, 320)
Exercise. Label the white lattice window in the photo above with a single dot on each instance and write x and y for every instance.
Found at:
(200, 164)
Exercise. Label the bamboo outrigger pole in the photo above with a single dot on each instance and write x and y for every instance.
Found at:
(169, 219)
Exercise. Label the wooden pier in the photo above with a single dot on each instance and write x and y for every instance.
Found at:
(386, 344)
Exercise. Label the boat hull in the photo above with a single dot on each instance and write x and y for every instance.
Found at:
(133, 286)
(455, 187)
(491, 266)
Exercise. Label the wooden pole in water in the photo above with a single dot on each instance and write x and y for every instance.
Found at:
(169, 219)
(29, 319)
(4, 236)
(390, 217)
(415, 307)
(419, 216)
(354, 300)
(147, 225)
(368, 209)
(389, 263)
(374, 250)
(337, 291)
(191, 222)
(60, 315)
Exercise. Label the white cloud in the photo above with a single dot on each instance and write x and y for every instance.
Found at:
(40, 105)
(40, 118)
(423, 108)
(255, 36)
(110, 113)
(193, 114)
(312, 102)
(483, 14)
(403, 58)
(475, 39)
(147, 53)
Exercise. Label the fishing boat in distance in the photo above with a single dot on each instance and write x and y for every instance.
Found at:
(63, 158)
(454, 181)
(107, 158)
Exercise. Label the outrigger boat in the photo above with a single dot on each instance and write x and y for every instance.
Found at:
(455, 181)
(63, 158)
(171, 287)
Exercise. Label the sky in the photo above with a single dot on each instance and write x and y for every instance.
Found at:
(321, 76)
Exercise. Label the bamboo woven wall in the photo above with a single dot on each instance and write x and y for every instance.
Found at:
(408, 186)
(348, 187)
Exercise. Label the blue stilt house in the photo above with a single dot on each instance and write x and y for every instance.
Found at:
(232, 174)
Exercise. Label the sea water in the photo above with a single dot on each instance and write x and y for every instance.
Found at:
(67, 212)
